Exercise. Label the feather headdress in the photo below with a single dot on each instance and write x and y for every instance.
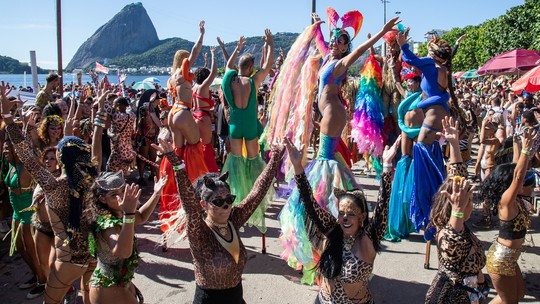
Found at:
(351, 19)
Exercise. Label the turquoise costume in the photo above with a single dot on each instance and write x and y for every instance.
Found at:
(399, 223)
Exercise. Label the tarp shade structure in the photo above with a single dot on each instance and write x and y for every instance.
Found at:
(513, 62)
(469, 74)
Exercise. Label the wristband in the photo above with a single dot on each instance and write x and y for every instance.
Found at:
(129, 213)
(525, 152)
(457, 214)
(8, 115)
(390, 165)
(128, 220)
(179, 167)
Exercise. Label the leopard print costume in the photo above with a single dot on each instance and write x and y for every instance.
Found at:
(354, 270)
(214, 266)
(460, 255)
(121, 150)
(56, 194)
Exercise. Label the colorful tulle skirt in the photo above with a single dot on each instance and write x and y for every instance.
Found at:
(429, 174)
(399, 223)
(243, 172)
(171, 214)
(301, 241)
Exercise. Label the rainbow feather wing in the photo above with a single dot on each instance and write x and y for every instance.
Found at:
(353, 19)
(292, 97)
(368, 121)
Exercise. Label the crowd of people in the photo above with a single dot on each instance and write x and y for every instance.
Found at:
(74, 168)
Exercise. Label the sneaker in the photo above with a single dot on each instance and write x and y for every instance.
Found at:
(28, 284)
(71, 296)
(36, 291)
(484, 223)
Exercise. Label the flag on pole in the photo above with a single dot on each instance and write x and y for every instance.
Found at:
(101, 69)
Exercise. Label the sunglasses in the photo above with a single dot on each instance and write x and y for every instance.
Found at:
(223, 202)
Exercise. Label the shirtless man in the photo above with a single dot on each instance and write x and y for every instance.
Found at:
(492, 135)
(240, 91)
(185, 133)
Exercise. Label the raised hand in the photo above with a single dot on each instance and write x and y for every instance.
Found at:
(295, 154)
(268, 38)
(128, 203)
(164, 146)
(402, 38)
(213, 50)
(159, 184)
(201, 27)
(241, 42)
(316, 18)
(450, 130)
(390, 24)
(220, 42)
(4, 92)
(529, 136)
(461, 193)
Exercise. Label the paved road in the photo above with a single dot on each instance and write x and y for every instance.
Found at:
(167, 277)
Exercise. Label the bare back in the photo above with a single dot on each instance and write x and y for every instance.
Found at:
(241, 90)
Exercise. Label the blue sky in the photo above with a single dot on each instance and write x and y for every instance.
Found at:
(31, 24)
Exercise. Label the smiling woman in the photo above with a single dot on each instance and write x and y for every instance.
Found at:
(352, 241)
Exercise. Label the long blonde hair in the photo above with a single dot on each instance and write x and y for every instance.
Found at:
(178, 58)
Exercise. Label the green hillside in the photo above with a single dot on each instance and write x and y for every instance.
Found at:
(10, 65)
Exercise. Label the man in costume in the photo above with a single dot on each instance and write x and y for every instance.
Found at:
(240, 92)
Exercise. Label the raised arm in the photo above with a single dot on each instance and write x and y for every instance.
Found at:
(323, 219)
(243, 211)
(223, 50)
(22, 147)
(198, 45)
(100, 122)
(190, 203)
(509, 196)
(232, 59)
(456, 167)
(377, 223)
(144, 212)
(408, 56)
(213, 70)
(319, 39)
(348, 60)
(265, 69)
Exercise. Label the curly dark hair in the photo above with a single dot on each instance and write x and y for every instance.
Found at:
(332, 257)
(201, 74)
(493, 187)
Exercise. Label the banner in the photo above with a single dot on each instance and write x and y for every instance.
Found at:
(101, 69)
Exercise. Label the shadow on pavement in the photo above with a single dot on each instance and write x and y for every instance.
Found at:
(386, 290)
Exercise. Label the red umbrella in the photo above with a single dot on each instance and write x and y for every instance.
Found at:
(456, 75)
(511, 62)
(529, 82)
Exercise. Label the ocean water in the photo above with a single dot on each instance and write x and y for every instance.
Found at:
(18, 79)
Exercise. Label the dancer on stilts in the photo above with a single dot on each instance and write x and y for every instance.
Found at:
(301, 240)
(240, 91)
(429, 168)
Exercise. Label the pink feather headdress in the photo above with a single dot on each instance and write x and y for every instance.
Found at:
(351, 19)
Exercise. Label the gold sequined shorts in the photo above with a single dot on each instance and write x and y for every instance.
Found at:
(502, 260)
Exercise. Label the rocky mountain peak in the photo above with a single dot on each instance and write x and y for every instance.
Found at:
(129, 32)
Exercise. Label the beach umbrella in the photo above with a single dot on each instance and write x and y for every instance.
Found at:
(469, 74)
(529, 82)
(512, 62)
(152, 80)
(143, 85)
(457, 75)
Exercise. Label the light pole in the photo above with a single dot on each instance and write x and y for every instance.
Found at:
(313, 9)
(383, 50)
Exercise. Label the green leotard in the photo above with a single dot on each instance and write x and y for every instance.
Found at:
(243, 122)
(21, 201)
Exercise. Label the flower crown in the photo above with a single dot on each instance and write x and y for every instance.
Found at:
(54, 120)
(351, 19)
